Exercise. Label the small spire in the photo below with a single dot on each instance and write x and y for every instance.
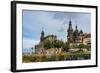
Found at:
(70, 20)
(42, 35)
(76, 26)
(81, 31)
(42, 31)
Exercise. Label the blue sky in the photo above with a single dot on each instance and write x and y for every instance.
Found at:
(52, 23)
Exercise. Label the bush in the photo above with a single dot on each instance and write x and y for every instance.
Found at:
(51, 58)
(81, 55)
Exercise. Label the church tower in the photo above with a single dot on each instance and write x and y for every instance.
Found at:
(70, 32)
(42, 36)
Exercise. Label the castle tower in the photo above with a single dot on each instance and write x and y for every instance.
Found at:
(70, 32)
(75, 35)
(42, 36)
(81, 36)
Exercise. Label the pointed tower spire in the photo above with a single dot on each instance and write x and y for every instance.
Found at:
(76, 30)
(70, 31)
(70, 22)
(42, 35)
(70, 25)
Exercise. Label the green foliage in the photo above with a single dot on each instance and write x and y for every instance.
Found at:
(50, 36)
(27, 59)
(81, 46)
(37, 46)
(61, 56)
(47, 44)
(57, 57)
(52, 58)
(68, 45)
(58, 44)
(79, 55)
(53, 44)
(88, 47)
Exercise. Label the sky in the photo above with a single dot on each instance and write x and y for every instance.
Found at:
(51, 22)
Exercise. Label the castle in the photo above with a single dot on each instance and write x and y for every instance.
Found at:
(76, 37)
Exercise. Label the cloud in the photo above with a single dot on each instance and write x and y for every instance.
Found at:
(61, 30)
(28, 43)
(53, 23)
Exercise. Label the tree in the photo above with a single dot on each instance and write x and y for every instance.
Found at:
(80, 46)
(47, 44)
(51, 42)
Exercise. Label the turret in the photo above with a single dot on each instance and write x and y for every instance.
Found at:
(42, 36)
(76, 34)
(70, 32)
